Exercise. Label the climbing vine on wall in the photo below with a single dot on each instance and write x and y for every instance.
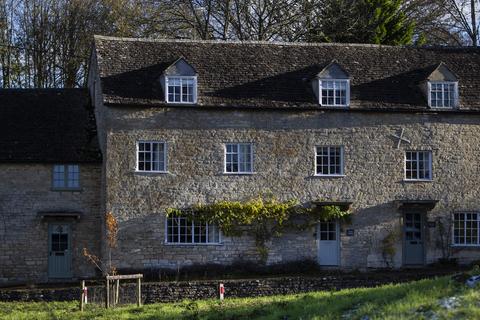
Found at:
(263, 217)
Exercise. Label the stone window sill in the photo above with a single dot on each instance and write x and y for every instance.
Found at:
(466, 246)
(192, 244)
(417, 180)
(66, 189)
(335, 176)
(239, 173)
(151, 173)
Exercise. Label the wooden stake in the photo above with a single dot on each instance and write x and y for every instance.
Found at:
(107, 294)
(117, 291)
(82, 297)
(139, 292)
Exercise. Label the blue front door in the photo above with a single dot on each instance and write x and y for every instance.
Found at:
(414, 239)
(59, 251)
(328, 243)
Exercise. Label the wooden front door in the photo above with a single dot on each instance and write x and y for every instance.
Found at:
(59, 251)
(329, 246)
(413, 239)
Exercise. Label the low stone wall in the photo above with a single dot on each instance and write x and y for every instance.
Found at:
(175, 291)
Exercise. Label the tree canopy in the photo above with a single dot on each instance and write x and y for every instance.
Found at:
(46, 43)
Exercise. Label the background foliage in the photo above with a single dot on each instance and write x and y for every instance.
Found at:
(46, 43)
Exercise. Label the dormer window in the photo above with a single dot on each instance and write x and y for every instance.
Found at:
(332, 86)
(334, 93)
(442, 88)
(181, 89)
(179, 82)
(443, 94)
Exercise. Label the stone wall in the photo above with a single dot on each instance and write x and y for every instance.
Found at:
(25, 190)
(177, 291)
(284, 143)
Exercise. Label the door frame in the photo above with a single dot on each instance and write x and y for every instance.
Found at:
(337, 238)
(70, 255)
(423, 217)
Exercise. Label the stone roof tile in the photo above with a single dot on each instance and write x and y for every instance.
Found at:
(47, 125)
(277, 75)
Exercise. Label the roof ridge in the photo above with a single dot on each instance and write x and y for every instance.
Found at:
(238, 42)
(278, 43)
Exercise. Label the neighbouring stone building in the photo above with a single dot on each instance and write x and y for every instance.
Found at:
(44, 224)
(390, 132)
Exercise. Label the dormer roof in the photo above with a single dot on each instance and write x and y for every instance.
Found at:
(333, 71)
(180, 68)
(442, 73)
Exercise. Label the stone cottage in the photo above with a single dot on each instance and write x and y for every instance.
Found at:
(392, 133)
(50, 178)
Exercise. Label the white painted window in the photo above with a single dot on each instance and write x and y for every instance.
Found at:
(181, 89)
(238, 158)
(151, 156)
(443, 94)
(329, 161)
(334, 93)
(466, 226)
(418, 165)
(328, 230)
(185, 231)
(66, 176)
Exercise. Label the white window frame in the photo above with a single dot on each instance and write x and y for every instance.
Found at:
(455, 94)
(194, 93)
(347, 93)
(342, 161)
(430, 155)
(193, 236)
(66, 179)
(165, 156)
(465, 229)
(238, 144)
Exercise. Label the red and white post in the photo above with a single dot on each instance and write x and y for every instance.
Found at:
(221, 291)
(83, 298)
(85, 295)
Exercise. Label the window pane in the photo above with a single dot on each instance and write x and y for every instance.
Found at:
(73, 176)
(465, 228)
(58, 176)
(329, 160)
(182, 230)
(238, 158)
(180, 89)
(174, 88)
(151, 156)
(187, 90)
(66, 176)
(418, 165)
(442, 95)
(334, 92)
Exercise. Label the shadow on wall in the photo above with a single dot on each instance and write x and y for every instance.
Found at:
(238, 269)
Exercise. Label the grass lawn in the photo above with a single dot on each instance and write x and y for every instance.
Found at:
(426, 299)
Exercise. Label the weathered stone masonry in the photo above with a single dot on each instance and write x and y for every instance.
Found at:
(26, 190)
(266, 94)
(154, 292)
(284, 165)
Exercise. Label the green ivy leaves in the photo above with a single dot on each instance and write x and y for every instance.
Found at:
(261, 217)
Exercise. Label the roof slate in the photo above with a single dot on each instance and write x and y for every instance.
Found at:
(278, 75)
(47, 125)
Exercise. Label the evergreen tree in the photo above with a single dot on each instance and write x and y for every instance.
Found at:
(364, 21)
(387, 24)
